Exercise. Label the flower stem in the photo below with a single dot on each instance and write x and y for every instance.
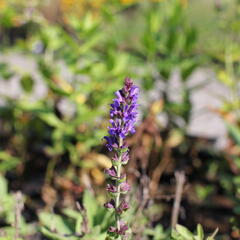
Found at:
(119, 167)
(118, 196)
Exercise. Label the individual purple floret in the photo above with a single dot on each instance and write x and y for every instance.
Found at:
(111, 188)
(125, 158)
(124, 206)
(111, 172)
(110, 204)
(125, 187)
(123, 115)
(121, 231)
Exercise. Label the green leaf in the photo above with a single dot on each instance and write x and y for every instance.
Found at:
(155, 21)
(91, 206)
(191, 37)
(90, 43)
(56, 223)
(3, 187)
(184, 232)
(78, 226)
(203, 191)
(97, 236)
(7, 161)
(234, 132)
(51, 119)
(200, 233)
(52, 235)
(187, 68)
(77, 216)
(159, 233)
(9, 238)
(72, 213)
(5, 73)
(27, 83)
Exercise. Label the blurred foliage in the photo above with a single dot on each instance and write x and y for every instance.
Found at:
(88, 223)
(75, 54)
(81, 49)
(228, 74)
(9, 212)
(183, 233)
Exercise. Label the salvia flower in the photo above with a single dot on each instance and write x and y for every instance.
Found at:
(123, 115)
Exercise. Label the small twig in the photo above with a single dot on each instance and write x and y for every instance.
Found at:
(17, 213)
(180, 180)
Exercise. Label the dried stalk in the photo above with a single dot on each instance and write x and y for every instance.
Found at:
(180, 180)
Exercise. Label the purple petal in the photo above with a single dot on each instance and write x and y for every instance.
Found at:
(110, 204)
(111, 188)
(111, 172)
(125, 187)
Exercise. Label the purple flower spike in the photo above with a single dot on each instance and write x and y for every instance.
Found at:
(123, 115)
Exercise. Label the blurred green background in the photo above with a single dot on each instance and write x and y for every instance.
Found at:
(61, 62)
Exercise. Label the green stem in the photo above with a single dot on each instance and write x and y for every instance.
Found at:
(118, 196)
(117, 200)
